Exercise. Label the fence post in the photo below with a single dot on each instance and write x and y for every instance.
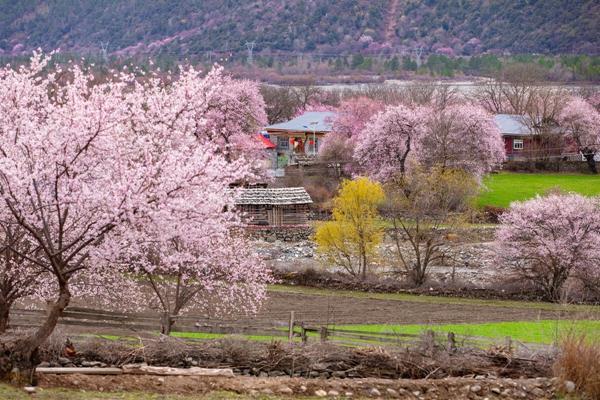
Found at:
(429, 342)
(509, 346)
(303, 333)
(324, 333)
(451, 342)
(291, 327)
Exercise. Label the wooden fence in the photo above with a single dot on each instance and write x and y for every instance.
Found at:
(283, 327)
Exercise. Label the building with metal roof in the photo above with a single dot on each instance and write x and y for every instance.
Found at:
(518, 135)
(300, 137)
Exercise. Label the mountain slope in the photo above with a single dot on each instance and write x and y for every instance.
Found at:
(192, 27)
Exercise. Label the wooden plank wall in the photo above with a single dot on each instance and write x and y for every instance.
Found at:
(295, 214)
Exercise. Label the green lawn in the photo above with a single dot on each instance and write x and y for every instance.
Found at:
(506, 187)
(545, 331)
(208, 336)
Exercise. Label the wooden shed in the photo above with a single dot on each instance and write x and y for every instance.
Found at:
(274, 206)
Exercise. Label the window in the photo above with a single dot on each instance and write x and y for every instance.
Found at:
(518, 144)
(283, 143)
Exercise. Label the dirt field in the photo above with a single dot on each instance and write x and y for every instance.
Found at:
(453, 388)
(326, 310)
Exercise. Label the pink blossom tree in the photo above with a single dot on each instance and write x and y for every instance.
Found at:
(580, 121)
(461, 136)
(234, 115)
(351, 117)
(19, 278)
(215, 271)
(384, 146)
(549, 239)
(81, 162)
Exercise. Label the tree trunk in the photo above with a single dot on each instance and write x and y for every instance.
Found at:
(23, 355)
(166, 323)
(4, 316)
(591, 162)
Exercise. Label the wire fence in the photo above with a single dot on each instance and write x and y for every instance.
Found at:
(88, 321)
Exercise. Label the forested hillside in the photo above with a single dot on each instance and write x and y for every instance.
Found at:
(192, 27)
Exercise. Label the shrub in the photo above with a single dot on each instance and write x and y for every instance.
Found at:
(579, 362)
(491, 214)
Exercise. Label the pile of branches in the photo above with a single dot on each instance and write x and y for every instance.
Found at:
(426, 360)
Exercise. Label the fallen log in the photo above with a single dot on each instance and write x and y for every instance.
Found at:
(193, 371)
(80, 370)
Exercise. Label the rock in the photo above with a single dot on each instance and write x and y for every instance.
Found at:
(93, 364)
(537, 392)
(263, 374)
(569, 386)
(506, 392)
(338, 374)
(320, 393)
(348, 394)
(324, 375)
(319, 367)
(391, 392)
(374, 392)
(333, 393)
(29, 389)
(496, 390)
(44, 364)
(285, 390)
(161, 380)
(416, 393)
(253, 392)
(475, 388)
(303, 388)
(63, 361)
(313, 374)
(267, 391)
(195, 363)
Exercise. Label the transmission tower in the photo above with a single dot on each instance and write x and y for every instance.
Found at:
(418, 53)
(104, 50)
(250, 47)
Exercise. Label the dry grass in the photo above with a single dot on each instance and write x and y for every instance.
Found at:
(579, 362)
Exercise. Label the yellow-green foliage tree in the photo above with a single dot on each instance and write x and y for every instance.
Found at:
(351, 238)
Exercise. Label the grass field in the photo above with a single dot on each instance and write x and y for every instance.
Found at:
(506, 187)
(545, 332)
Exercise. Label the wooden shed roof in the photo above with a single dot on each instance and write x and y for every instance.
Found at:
(273, 196)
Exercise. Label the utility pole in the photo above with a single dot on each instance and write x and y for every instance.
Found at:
(250, 47)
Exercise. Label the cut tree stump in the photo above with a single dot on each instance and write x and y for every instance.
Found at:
(193, 371)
